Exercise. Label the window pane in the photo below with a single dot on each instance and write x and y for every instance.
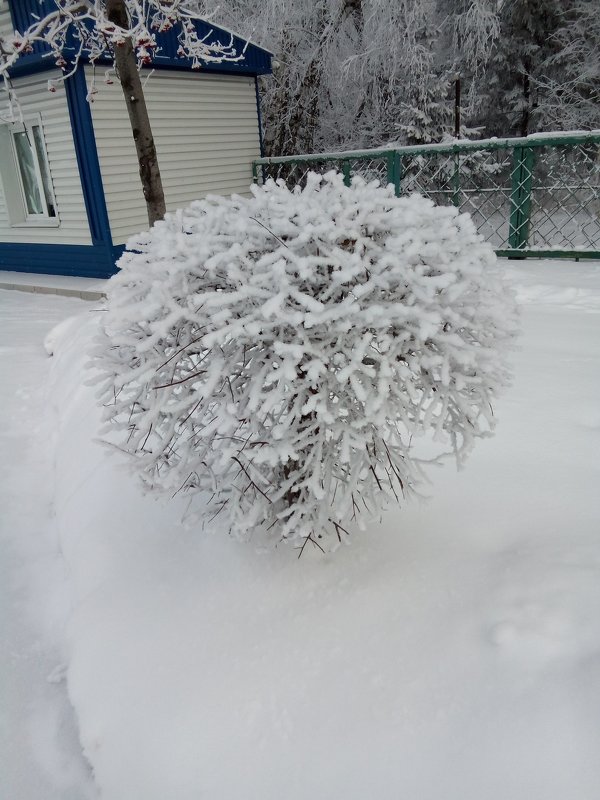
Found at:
(26, 160)
(45, 172)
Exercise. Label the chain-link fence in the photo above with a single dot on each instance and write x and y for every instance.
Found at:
(535, 196)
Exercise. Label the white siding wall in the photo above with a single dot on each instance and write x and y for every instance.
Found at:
(34, 98)
(206, 133)
(6, 26)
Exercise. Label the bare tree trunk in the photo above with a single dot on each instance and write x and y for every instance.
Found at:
(457, 107)
(526, 105)
(302, 124)
(135, 101)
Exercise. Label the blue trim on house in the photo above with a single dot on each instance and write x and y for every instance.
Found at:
(117, 251)
(39, 62)
(87, 158)
(60, 259)
(256, 61)
(259, 116)
(21, 11)
(98, 259)
(31, 64)
(21, 17)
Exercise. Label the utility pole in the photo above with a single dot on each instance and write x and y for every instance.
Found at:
(457, 106)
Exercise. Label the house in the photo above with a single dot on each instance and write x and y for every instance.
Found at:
(70, 192)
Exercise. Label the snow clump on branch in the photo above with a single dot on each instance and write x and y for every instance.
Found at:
(276, 354)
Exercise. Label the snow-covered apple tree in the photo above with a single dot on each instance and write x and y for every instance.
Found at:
(278, 355)
(125, 31)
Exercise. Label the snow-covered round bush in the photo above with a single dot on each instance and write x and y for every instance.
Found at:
(278, 353)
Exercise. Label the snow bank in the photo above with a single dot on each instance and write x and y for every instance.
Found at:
(455, 651)
(39, 754)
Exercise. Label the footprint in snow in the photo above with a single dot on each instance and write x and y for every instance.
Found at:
(533, 632)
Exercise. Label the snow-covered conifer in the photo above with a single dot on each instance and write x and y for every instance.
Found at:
(277, 354)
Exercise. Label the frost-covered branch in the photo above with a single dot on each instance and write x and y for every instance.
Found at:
(87, 26)
(367, 72)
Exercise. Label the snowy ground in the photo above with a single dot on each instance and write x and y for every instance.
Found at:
(39, 754)
(452, 652)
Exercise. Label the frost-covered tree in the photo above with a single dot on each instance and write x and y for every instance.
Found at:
(125, 31)
(307, 89)
(469, 33)
(280, 354)
(569, 83)
(359, 73)
(525, 42)
(427, 114)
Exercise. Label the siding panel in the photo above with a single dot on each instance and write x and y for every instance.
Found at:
(206, 132)
(6, 26)
(34, 98)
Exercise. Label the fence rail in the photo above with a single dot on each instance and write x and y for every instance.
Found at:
(534, 196)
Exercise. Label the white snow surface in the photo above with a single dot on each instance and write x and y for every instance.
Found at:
(453, 651)
(40, 758)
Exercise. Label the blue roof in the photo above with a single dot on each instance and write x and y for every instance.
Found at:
(256, 61)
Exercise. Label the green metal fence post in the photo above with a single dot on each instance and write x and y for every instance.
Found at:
(391, 167)
(456, 181)
(520, 198)
(397, 173)
(346, 172)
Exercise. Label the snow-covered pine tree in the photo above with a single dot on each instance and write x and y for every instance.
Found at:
(569, 81)
(427, 113)
(526, 40)
(468, 35)
(275, 356)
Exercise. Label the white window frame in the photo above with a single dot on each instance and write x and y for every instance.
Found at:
(12, 181)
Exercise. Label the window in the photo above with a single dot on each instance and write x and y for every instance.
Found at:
(26, 175)
(34, 172)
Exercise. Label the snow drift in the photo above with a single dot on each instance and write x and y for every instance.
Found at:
(452, 652)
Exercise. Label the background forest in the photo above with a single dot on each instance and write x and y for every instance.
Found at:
(363, 73)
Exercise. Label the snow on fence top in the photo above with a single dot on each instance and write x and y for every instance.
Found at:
(533, 196)
(453, 146)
